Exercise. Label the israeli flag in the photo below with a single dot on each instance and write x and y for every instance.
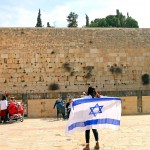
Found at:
(92, 113)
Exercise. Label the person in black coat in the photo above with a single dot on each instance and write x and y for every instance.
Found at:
(68, 107)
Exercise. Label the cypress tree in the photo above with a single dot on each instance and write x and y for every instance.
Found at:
(87, 20)
(48, 24)
(39, 21)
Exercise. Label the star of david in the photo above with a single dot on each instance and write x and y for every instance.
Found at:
(97, 108)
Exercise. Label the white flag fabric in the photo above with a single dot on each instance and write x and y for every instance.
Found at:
(92, 113)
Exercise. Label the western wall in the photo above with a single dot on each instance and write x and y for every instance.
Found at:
(48, 62)
(31, 59)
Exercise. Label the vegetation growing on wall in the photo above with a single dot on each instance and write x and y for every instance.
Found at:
(89, 71)
(54, 86)
(67, 66)
(145, 79)
(115, 69)
(72, 73)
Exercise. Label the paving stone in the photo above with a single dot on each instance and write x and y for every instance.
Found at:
(49, 134)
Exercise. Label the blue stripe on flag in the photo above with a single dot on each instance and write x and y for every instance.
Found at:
(81, 101)
(94, 122)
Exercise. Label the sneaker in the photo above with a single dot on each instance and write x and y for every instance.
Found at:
(86, 147)
(97, 146)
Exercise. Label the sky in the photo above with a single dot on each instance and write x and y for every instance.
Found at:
(23, 13)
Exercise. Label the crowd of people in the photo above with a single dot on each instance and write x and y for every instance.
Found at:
(8, 106)
(7, 103)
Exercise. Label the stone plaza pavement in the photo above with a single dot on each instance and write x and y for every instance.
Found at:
(49, 134)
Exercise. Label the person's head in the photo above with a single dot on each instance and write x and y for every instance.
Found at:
(70, 100)
(84, 93)
(58, 98)
(3, 97)
(91, 91)
(98, 94)
(7, 95)
(12, 98)
(10, 101)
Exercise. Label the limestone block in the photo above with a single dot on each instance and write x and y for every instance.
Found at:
(33, 60)
(113, 54)
(9, 60)
(97, 59)
(129, 105)
(14, 80)
(49, 51)
(4, 55)
(117, 59)
(17, 55)
(13, 66)
(27, 70)
(72, 59)
(61, 55)
(2, 79)
(79, 78)
(93, 51)
(77, 60)
(87, 55)
(101, 59)
(146, 104)
(90, 64)
(123, 54)
(67, 74)
(71, 51)
(81, 59)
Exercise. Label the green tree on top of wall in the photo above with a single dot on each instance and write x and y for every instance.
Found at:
(72, 19)
(118, 20)
(39, 21)
(131, 23)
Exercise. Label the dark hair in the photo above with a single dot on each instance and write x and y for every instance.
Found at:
(3, 97)
(91, 91)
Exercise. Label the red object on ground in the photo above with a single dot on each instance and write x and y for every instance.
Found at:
(15, 108)
(12, 108)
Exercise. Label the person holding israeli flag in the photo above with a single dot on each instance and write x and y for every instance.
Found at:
(94, 111)
(91, 94)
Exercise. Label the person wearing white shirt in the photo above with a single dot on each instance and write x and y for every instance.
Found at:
(3, 107)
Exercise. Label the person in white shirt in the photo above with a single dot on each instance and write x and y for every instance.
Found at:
(3, 105)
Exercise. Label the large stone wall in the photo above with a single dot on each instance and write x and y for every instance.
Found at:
(33, 58)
